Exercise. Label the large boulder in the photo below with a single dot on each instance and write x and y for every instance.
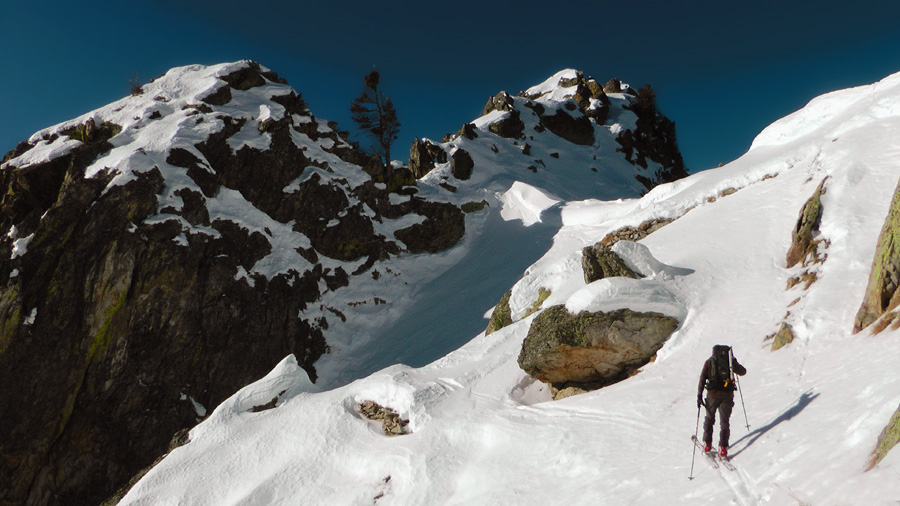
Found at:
(592, 348)
(461, 164)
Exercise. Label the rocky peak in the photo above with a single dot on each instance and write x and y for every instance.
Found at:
(596, 126)
(165, 250)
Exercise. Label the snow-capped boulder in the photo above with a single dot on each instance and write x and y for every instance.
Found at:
(599, 261)
(592, 348)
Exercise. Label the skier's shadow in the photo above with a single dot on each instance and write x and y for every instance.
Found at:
(786, 415)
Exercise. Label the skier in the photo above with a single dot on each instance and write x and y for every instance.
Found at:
(718, 379)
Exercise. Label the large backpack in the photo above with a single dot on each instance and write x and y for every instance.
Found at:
(719, 375)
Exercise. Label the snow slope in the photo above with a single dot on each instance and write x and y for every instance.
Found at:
(522, 180)
(482, 432)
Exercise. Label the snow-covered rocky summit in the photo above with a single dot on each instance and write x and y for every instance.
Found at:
(168, 249)
(478, 430)
(570, 136)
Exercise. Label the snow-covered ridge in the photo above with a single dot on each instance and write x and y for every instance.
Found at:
(836, 113)
(485, 433)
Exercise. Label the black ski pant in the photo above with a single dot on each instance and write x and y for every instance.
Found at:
(724, 407)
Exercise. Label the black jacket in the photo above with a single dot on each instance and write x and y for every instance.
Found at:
(736, 367)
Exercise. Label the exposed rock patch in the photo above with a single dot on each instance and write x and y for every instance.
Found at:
(420, 160)
(500, 102)
(391, 422)
(444, 227)
(577, 130)
(783, 337)
(510, 126)
(888, 439)
(543, 294)
(634, 233)
(501, 316)
(804, 245)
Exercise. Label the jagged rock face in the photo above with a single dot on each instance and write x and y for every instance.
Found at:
(144, 282)
(592, 349)
(653, 139)
(420, 160)
(599, 261)
(882, 293)
(500, 102)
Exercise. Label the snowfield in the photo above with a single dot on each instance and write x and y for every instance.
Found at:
(483, 432)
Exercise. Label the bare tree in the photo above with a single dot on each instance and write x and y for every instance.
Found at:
(374, 113)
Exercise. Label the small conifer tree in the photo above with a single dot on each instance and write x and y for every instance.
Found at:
(374, 113)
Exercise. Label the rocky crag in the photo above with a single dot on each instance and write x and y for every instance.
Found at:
(166, 250)
(568, 127)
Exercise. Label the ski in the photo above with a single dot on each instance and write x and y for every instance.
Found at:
(710, 456)
(714, 458)
(726, 462)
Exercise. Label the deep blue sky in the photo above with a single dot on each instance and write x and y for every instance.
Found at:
(722, 71)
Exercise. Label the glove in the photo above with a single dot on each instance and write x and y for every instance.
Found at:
(699, 400)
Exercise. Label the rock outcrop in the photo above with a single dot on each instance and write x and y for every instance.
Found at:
(500, 317)
(887, 440)
(423, 155)
(653, 139)
(145, 282)
(599, 261)
(882, 292)
(591, 349)
(804, 244)
(783, 337)
(391, 422)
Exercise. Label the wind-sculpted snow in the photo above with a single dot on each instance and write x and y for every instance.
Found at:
(484, 433)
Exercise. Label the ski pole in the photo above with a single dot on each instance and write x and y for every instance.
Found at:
(694, 453)
(743, 407)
